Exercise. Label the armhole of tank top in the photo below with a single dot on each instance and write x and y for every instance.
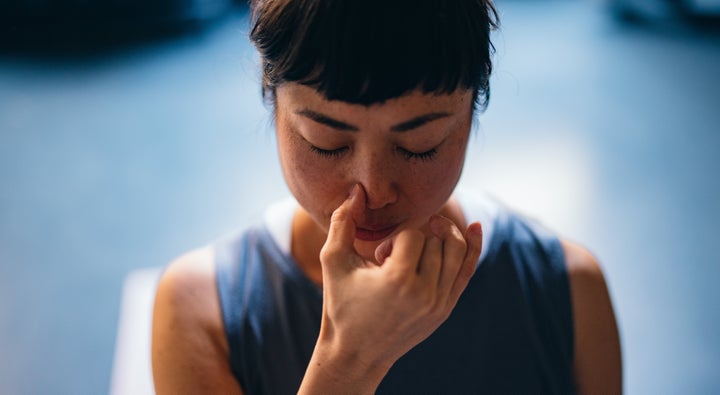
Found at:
(478, 206)
(225, 280)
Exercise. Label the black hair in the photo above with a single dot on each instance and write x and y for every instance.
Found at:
(369, 51)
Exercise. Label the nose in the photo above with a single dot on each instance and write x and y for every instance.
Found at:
(377, 176)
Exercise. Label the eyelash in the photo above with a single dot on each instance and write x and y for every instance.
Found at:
(423, 156)
(328, 153)
(409, 155)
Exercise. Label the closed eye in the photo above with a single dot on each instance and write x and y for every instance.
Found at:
(328, 153)
(423, 156)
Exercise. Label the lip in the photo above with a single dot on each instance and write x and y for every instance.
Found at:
(374, 234)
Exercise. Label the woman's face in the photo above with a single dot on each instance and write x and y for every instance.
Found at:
(407, 153)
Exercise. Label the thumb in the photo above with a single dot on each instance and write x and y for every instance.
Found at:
(338, 250)
(383, 251)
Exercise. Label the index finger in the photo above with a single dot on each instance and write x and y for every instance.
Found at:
(341, 234)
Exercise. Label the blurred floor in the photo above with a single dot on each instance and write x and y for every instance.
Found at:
(609, 134)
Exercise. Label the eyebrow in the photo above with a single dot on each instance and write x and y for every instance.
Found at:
(405, 126)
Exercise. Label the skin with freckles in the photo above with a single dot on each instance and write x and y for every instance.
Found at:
(373, 314)
(379, 230)
(406, 153)
(376, 227)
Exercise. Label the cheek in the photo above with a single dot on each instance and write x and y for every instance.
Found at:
(436, 185)
(313, 182)
(438, 178)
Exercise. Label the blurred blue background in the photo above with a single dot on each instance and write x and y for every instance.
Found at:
(121, 159)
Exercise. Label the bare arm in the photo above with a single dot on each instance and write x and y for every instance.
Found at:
(189, 349)
(598, 361)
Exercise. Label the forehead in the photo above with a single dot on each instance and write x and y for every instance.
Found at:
(293, 97)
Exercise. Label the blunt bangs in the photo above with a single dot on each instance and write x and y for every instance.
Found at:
(369, 51)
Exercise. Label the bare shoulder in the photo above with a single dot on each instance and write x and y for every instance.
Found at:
(189, 348)
(597, 362)
(187, 292)
(580, 260)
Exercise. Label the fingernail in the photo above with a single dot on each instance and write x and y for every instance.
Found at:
(354, 191)
(383, 251)
(475, 229)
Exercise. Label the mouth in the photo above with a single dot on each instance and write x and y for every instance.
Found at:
(374, 234)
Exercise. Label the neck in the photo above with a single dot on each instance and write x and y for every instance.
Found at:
(306, 241)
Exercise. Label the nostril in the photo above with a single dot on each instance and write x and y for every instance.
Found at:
(377, 198)
(378, 181)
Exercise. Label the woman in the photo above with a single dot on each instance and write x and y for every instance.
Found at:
(377, 277)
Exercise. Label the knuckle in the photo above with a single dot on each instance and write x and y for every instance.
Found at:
(447, 228)
(328, 253)
(456, 233)
(457, 242)
(324, 253)
(440, 313)
(339, 215)
(397, 280)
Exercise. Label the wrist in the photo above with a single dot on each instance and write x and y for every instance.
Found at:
(335, 368)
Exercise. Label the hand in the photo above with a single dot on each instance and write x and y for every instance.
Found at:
(374, 314)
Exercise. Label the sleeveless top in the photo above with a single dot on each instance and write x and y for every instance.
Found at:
(511, 331)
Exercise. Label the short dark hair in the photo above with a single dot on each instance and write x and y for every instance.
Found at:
(369, 51)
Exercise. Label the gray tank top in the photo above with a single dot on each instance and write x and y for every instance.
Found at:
(510, 333)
